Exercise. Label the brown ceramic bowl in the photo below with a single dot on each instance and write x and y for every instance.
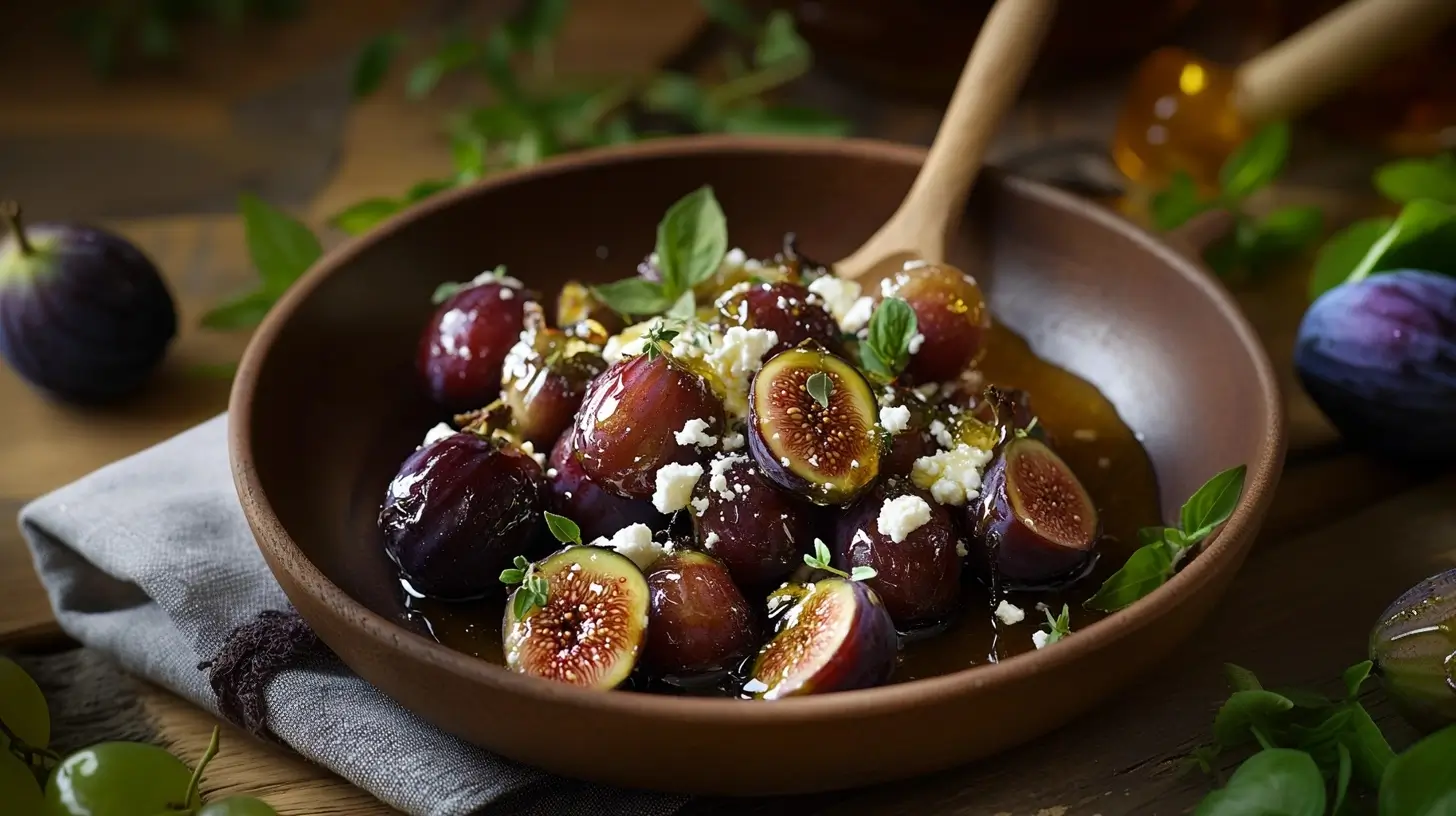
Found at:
(325, 407)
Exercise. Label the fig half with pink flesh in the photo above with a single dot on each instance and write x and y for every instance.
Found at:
(1035, 526)
(834, 635)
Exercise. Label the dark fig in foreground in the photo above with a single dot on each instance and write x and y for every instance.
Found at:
(84, 315)
(952, 317)
(786, 309)
(465, 342)
(591, 626)
(597, 511)
(834, 636)
(758, 530)
(544, 378)
(919, 577)
(1034, 524)
(698, 623)
(456, 513)
(1413, 647)
(812, 426)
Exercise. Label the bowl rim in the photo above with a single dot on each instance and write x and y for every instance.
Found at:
(274, 540)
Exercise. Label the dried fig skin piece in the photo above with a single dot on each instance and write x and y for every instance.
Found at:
(592, 627)
(833, 635)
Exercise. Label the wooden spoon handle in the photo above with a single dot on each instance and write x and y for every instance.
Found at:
(1332, 52)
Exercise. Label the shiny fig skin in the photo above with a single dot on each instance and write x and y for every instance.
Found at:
(918, 579)
(915, 441)
(835, 635)
(1033, 525)
(759, 531)
(699, 622)
(458, 511)
(84, 315)
(788, 310)
(625, 430)
(1413, 647)
(596, 510)
(1379, 359)
(545, 377)
(464, 345)
(952, 316)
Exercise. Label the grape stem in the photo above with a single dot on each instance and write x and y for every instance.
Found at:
(195, 783)
(10, 211)
(19, 746)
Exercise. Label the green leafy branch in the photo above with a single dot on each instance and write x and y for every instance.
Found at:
(823, 559)
(532, 592)
(150, 30)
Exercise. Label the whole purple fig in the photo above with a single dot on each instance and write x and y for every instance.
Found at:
(1379, 359)
(84, 315)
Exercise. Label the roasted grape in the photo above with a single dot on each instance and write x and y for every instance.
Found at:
(545, 376)
(917, 577)
(833, 635)
(749, 523)
(952, 318)
(597, 511)
(699, 622)
(786, 309)
(465, 343)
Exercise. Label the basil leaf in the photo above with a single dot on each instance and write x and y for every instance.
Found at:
(1273, 782)
(1411, 179)
(1244, 710)
(1284, 232)
(1148, 568)
(1342, 778)
(563, 529)
(1174, 205)
(684, 308)
(819, 387)
(281, 247)
(1420, 782)
(1256, 162)
(373, 64)
(1370, 752)
(425, 189)
(677, 93)
(1212, 504)
(362, 217)
(1343, 252)
(780, 43)
(1355, 677)
(241, 313)
(467, 151)
(692, 239)
(1423, 236)
(886, 349)
(1241, 678)
(731, 15)
(454, 55)
(786, 120)
(537, 23)
(632, 296)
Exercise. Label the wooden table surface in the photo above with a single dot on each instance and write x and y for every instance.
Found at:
(161, 157)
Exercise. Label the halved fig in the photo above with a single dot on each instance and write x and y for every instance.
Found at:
(698, 621)
(951, 314)
(597, 511)
(759, 531)
(835, 636)
(919, 578)
(544, 378)
(625, 430)
(786, 309)
(590, 628)
(811, 426)
(1034, 524)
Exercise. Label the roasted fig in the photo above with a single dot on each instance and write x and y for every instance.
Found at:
(1413, 647)
(786, 309)
(544, 378)
(596, 510)
(906, 422)
(812, 426)
(1007, 410)
(844, 299)
(585, 623)
(626, 429)
(1033, 523)
(952, 317)
(1379, 359)
(755, 528)
(84, 315)
(465, 342)
(457, 512)
(912, 544)
(698, 623)
(833, 635)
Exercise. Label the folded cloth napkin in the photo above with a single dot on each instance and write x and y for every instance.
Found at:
(150, 561)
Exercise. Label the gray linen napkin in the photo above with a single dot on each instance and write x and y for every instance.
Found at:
(150, 561)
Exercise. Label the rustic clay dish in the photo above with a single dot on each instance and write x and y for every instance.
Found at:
(325, 407)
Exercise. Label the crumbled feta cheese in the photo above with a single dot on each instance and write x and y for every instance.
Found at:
(854, 463)
(551, 473)
(888, 398)
(858, 315)
(895, 419)
(902, 516)
(435, 434)
(710, 541)
(942, 434)
(953, 476)
(531, 452)
(635, 541)
(841, 297)
(1009, 613)
(700, 506)
(735, 360)
(506, 293)
(1039, 639)
(860, 536)
(629, 343)
(961, 548)
(675, 486)
(735, 258)
(916, 342)
(506, 281)
(732, 441)
(694, 432)
(718, 474)
(784, 460)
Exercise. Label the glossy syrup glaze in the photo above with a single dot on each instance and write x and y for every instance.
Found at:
(1086, 432)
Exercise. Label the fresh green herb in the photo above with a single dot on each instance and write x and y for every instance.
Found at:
(563, 529)
(633, 296)
(447, 290)
(1343, 252)
(658, 338)
(692, 239)
(532, 592)
(373, 64)
(820, 387)
(1275, 781)
(1410, 180)
(281, 248)
(1178, 203)
(822, 559)
(1419, 782)
(1256, 163)
(150, 29)
(886, 350)
(1162, 549)
(1058, 626)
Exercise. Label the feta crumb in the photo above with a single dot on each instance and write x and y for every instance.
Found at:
(635, 541)
(953, 476)
(700, 506)
(551, 473)
(902, 516)
(675, 486)
(1084, 435)
(435, 434)
(858, 315)
(1009, 613)
(735, 359)
(718, 474)
(961, 548)
(784, 460)
(1039, 638)
(735, 257)
(916, 342)
(506, 281)
(732, 441)
(861, 536)
(888, 398)
(854, 463)
(895, 419)
(710, 541)
(694, 433)
(531, 451)
(840, 297)
(630, 342)
(942, 434)
(506, 293)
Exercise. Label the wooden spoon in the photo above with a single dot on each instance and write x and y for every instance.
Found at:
(995, 71)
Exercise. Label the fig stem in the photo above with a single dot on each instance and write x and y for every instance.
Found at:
(10, 211)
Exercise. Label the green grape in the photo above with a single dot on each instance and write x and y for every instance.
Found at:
(119, 779)
(239, 806)
(22, 706)
(19, 792)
